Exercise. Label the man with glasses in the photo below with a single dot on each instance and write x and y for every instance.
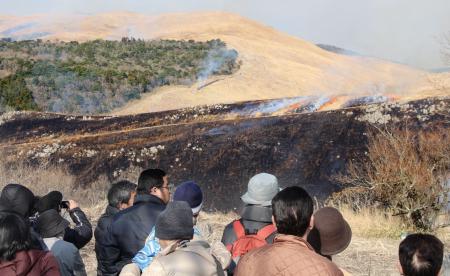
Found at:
(130, 227)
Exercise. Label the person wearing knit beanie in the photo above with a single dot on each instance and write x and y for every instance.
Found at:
(175, 223)
(180, 254)
(191, 193)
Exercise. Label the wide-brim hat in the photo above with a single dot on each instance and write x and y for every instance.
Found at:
(51, 224)
(261, 189)
(331, 233)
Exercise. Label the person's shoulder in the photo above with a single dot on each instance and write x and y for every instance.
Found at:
(123, 214)
(104, 221)
(64, 247)
(229, 228)
(260, 252)
(46, 257)
(228, 235)
(155, 268)
(254, 261)
(331, 267)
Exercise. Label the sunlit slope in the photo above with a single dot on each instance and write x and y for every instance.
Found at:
(274, 64)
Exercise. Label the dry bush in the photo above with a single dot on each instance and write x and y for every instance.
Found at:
(406, 173)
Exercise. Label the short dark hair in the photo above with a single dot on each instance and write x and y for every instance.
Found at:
(120, 192)
(15, 235)
(150, 178)
(292, 209)
(421, 254)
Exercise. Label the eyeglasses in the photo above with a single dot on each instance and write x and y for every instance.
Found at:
(169, 187)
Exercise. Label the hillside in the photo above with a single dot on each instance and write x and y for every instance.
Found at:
(97, 76)
(274, 64)
(219, 146)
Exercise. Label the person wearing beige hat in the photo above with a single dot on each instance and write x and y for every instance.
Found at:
(255, 227)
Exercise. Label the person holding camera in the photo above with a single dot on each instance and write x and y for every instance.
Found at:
(52, 226)
(81, 233)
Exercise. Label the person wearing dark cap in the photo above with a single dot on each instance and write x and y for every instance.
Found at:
(20, 200)
(179, 255)
(129, 228)
(120, 197)
(81, 233)
(191, 193)
(51, 226)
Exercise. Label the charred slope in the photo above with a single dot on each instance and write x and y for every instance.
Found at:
(211, 145)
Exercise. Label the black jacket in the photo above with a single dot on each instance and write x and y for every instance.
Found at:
(253, 218)
(81, 234)
(100, 235)
(129, 230)
(18, 199)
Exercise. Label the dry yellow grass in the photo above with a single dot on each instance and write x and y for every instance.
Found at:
(373, 223)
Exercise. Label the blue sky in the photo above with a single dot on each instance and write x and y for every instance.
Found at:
(400, 30)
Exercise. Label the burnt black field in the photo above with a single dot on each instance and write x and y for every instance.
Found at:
(219, 146)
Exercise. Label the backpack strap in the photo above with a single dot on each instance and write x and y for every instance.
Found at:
(266, 231)
(238, 229)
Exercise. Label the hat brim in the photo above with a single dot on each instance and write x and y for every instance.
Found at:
(248, 200)
(340, 245)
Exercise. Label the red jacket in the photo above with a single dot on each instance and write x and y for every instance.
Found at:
(31, 263)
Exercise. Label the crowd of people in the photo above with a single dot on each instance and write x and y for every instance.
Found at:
(147, 231)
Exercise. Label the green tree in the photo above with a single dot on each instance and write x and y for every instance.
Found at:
(15, 93)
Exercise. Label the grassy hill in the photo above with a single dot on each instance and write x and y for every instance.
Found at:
(274, 64)
(100, 75)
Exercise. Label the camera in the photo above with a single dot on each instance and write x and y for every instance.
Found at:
(64, 204)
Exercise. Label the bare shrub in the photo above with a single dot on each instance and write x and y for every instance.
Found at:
(405, 173)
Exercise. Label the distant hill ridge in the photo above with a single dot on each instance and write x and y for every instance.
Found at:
(273, 64)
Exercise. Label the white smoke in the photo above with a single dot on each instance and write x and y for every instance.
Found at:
(213, 62)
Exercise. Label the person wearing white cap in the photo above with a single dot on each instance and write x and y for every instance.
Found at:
(254, 228)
